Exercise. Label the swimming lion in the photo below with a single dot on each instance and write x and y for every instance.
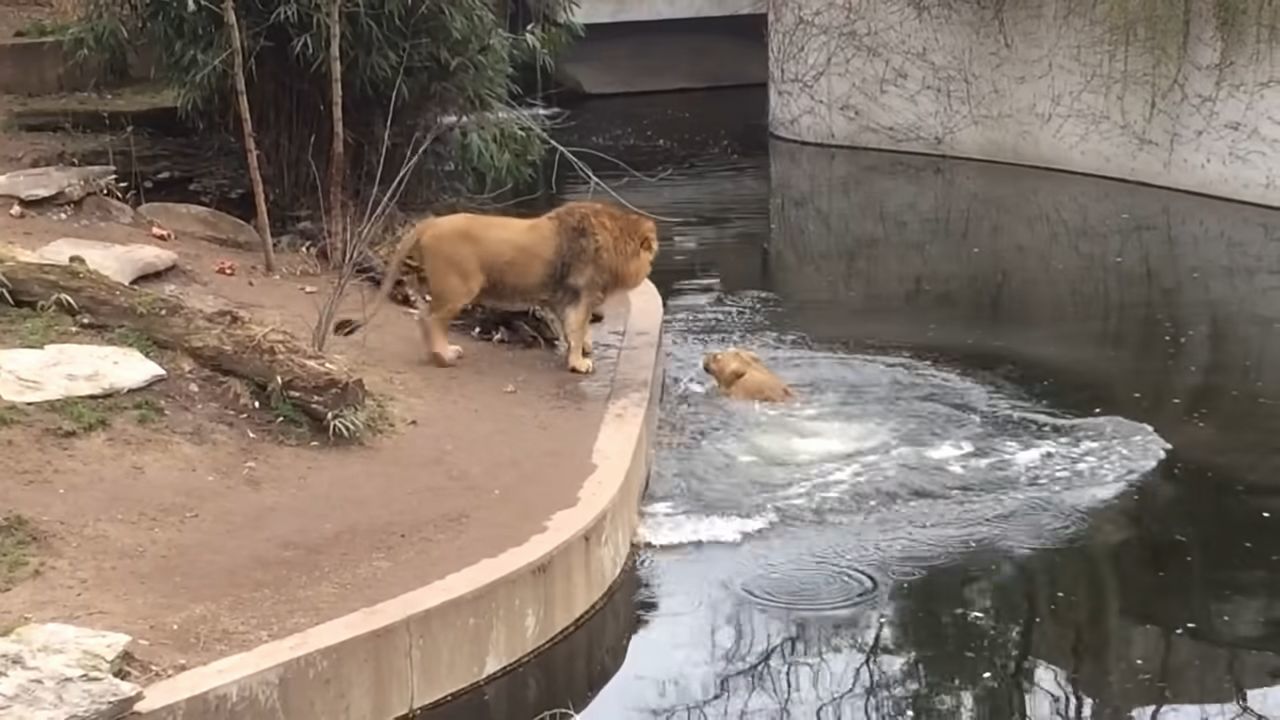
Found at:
(741, 374)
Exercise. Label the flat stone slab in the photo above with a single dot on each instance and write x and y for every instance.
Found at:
(54, 671)
(122, 263)
(58, 183)
(203, 223)
(65, 370)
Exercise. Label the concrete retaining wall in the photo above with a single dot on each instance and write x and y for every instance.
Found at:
(1179, 94)
(44, 66)
(386, 660)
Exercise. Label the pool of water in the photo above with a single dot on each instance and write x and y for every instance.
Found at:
(1032, 470)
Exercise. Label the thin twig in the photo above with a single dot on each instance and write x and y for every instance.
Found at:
(581, 167)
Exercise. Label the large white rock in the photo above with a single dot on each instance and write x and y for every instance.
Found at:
(59, 184)
(63, 672)
(202, 223)
(54, 372)
(122, 263)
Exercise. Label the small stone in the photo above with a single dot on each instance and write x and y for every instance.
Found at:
(509, 389)
(160, 233)
(309, 289)
(16, 211)
(225, 267)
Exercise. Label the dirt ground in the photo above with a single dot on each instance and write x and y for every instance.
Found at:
(177, 516)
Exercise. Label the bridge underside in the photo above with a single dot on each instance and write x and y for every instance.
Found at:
(677, 54)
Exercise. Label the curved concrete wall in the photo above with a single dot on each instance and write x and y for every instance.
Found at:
(408, 652)
(1179, 94)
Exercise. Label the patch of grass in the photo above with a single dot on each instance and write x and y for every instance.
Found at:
(374, 418)
(18, 538)
(11, 415)
(285, 411)
(80, 417)
(134, 339)
(147, 411)
(37, 329)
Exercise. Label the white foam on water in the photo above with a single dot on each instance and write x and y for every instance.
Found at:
(948, 450)
(797, 441)
(916, 460)
(662, 525)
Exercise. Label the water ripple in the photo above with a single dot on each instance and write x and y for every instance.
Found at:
(810, 585)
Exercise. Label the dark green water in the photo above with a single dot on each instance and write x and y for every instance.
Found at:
(985, 524)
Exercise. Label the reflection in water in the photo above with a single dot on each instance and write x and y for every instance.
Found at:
(1102, 300)
(573, 668)
(1165, 305)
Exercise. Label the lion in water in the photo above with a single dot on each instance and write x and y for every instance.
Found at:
(567, 260)
(742, 375)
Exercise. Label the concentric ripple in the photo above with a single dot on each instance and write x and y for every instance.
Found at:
(810, 585)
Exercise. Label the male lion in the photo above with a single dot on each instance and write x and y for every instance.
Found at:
(742, 375)
(567, 260)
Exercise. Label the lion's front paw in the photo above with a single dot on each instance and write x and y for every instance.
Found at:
(448, 358)
(582, 365)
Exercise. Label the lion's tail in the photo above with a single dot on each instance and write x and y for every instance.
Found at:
(390, 274)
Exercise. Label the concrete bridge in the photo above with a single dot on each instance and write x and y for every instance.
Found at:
(653, 45)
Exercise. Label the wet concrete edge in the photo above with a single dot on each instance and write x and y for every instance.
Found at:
(386, 660)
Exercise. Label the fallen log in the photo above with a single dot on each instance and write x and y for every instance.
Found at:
(222, 340)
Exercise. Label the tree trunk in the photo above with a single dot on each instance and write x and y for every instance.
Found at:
(337, 152)
(263, 220)
(221, 340)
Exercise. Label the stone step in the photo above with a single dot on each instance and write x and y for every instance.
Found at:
(140, 106)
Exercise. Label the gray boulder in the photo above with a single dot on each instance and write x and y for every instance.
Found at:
(203, 223)
(57, 184)
(53, 671)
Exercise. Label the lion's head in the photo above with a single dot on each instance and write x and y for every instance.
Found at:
(730, 366)
(626, 241)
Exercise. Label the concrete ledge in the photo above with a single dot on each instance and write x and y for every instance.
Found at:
(383, 661)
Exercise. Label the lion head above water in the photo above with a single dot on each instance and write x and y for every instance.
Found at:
(742, 374)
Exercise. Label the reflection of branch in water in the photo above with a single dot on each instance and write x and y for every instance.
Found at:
(723, 683)
(1242, 697)
(802, 672)
(872, 654)
(1017, 674)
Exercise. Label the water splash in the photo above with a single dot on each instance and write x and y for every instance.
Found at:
(894, 462)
